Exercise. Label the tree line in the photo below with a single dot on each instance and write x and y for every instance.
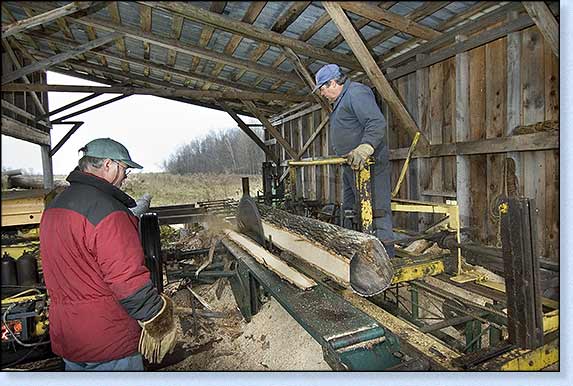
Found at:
(227, 151)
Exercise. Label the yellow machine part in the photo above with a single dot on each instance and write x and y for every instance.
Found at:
(533, 360)
(417, 271)
(22, 207)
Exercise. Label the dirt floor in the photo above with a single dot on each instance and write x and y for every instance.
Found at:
(273, 340)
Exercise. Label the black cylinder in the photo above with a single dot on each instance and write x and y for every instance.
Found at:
(9, 275)
(27, 270)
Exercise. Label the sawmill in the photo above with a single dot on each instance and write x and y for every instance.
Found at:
(469, 93)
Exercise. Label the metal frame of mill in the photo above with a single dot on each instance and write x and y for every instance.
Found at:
(470, 91)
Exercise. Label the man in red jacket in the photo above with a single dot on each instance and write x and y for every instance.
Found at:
(93, 262)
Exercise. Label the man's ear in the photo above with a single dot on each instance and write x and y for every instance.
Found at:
(107, 163)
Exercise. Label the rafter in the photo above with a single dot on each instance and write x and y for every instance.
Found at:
(250, 16)
(253, 32)
(207, 32)
(174, 91)
(156, 66)
(371, 68)
(145, 19)
(247, 130)
(389, 19)
(44, 64)
(176, 27)
(270, 128)
(546, 23)
(113, 9)
(186, 48)
(44, 18)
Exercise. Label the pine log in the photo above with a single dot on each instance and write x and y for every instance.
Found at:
(353, 259)
(31, 182)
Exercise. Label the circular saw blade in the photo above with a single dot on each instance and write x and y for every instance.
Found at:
(249, 220)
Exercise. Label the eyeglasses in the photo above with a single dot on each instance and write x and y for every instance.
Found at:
(126, 169)
(324, 86)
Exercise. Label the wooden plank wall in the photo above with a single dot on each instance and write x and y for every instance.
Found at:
(24, 100)
(503, 93)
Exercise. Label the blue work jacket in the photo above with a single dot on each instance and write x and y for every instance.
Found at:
(357, 119)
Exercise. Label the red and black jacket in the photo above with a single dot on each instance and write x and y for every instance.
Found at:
(94, 269)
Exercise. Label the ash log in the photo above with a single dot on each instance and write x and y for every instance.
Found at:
(351, 258)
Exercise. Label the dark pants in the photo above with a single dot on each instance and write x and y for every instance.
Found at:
(381, 196)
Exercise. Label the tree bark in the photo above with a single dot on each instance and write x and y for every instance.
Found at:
(352, 258)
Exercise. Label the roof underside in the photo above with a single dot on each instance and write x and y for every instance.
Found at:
(210, 58)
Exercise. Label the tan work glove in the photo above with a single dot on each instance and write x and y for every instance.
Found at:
(159, 334)
(358, 156)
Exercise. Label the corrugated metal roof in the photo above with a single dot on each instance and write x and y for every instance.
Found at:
(191, 32)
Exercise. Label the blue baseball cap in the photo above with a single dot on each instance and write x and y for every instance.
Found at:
(325, 74)
(108, 148)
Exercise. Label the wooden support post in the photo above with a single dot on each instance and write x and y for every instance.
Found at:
(462, 134)
(269, 126)
(545, 21)
(247, 130)
(44, 18)
(66, 137)
(371, 68)
(514, 97)
(305, 76)
(47, 167)
(45, 64)
(522, 283)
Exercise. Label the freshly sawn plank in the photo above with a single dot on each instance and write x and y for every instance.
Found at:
(271, 261)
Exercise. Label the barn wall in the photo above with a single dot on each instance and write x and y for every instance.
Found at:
(513, 84)
(24, 100)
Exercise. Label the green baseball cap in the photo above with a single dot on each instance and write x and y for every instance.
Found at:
(108, 148)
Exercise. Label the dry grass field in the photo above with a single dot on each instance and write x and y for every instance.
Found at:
(170, 189)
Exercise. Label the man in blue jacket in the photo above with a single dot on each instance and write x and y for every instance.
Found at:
(358, 131)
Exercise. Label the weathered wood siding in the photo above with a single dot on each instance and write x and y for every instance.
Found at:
(512, 82)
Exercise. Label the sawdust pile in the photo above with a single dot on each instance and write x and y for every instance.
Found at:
(273, 340)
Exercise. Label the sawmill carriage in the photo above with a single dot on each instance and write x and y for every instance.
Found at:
(470, 92)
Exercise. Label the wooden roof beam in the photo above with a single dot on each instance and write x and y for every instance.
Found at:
(250, 16)
(152, 65)
(186, 48)
(46, 63)
(306, 77)
(176, 28)
(243, 126)
(179, 91)
(207, 32)
(371, 68)
(44, 18)
(546, 23)
(271, 129)
(389, 19)
(16, 62)
(113, 10)
(253, 32)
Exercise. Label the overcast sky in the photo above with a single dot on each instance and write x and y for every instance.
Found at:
(150, 127)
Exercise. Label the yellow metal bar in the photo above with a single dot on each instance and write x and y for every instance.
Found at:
(363, 186)
(406, 163)
(417, 271)
(551, 321)
(325, 161)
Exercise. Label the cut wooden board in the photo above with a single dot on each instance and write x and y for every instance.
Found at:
(271, 261)
(333, 265)
(353, 259)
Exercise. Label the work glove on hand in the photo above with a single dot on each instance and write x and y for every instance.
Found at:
(142, 205)
(358, 156)
(159, 334)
